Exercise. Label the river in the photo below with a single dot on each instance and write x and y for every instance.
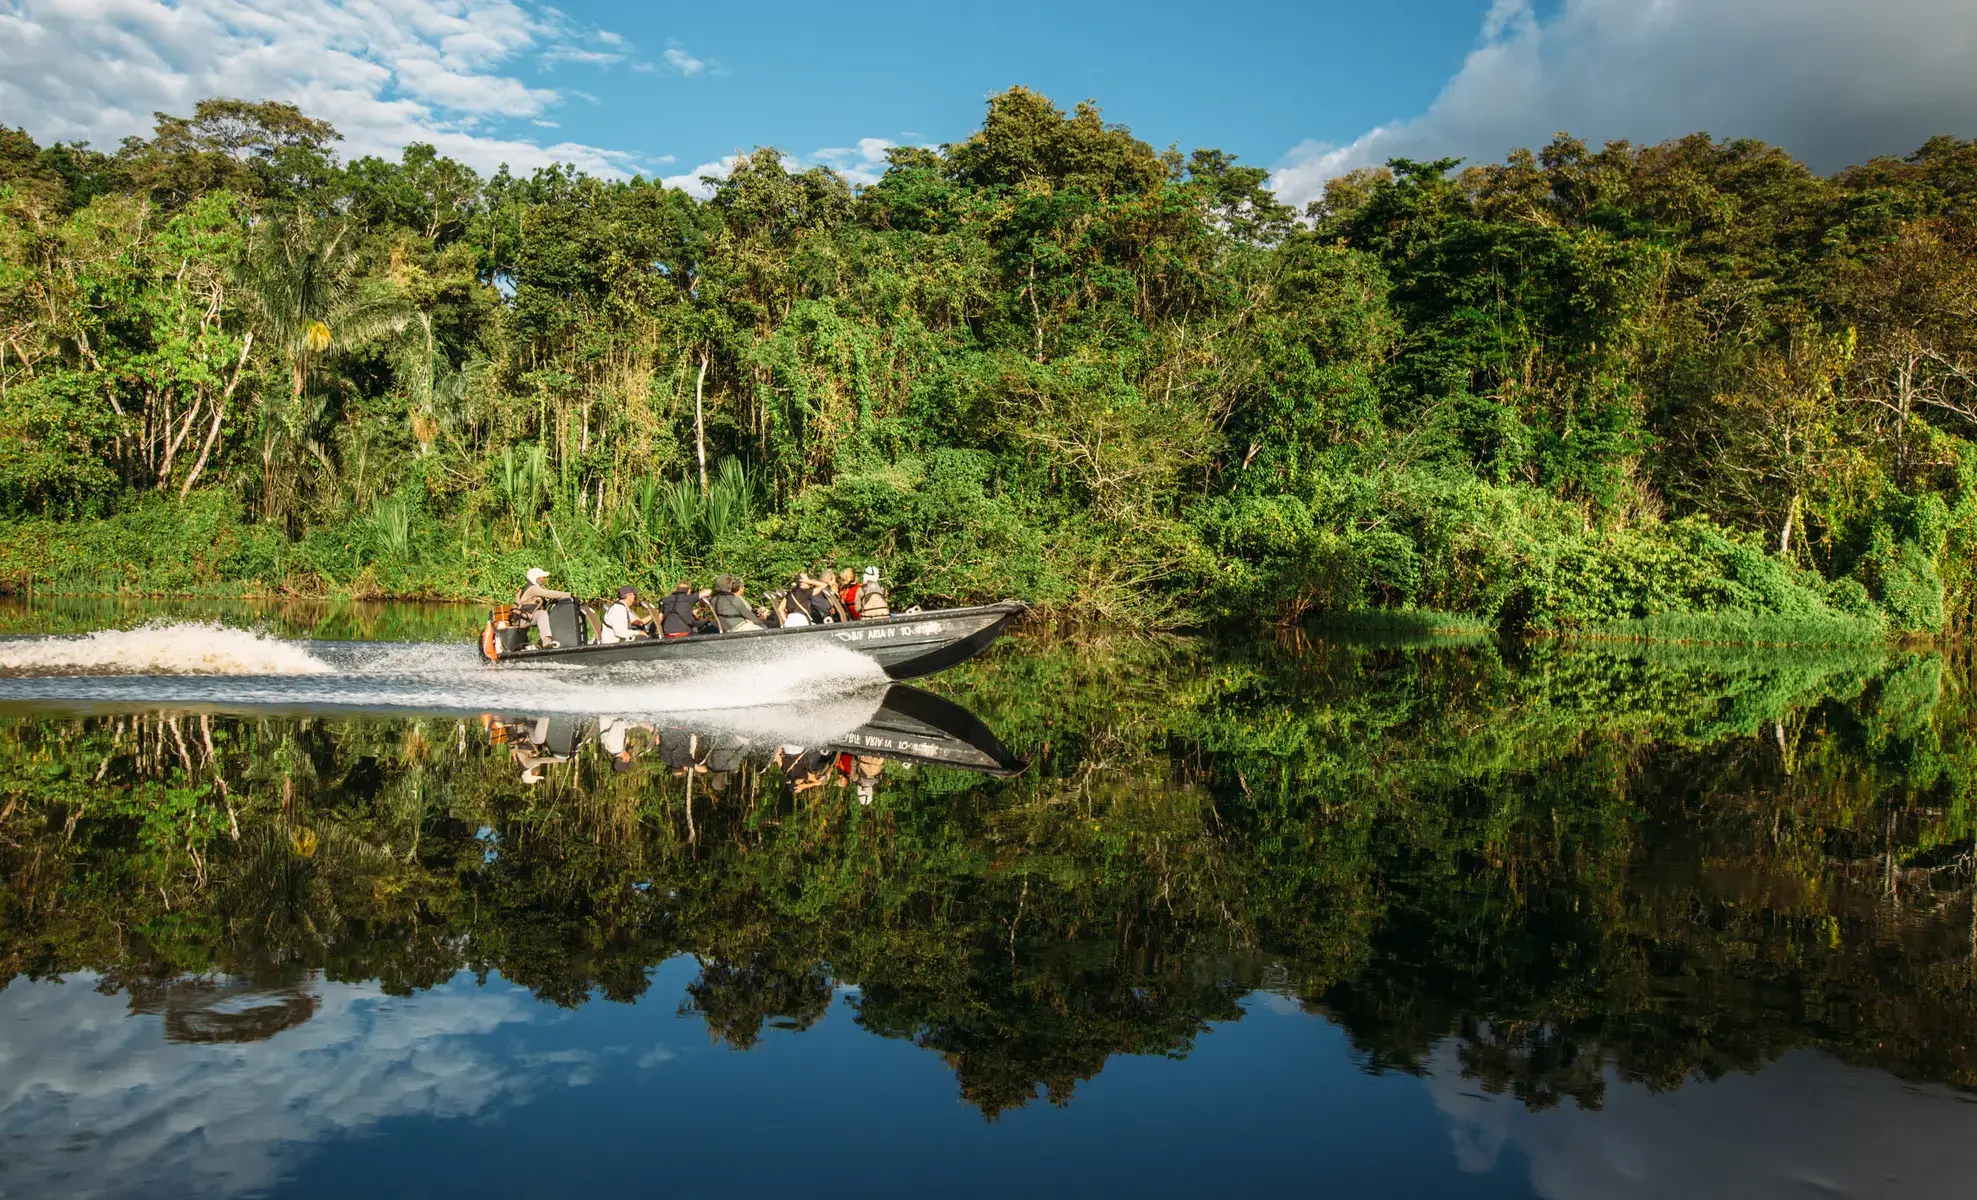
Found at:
(303, 900)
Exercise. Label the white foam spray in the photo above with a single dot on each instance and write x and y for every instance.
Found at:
(161, 648)
(213, 666)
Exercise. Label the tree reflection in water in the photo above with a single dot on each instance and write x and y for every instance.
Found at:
(1563, 863)
(211, 1010)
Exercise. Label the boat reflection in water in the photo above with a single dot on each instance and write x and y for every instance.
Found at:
(844, 740)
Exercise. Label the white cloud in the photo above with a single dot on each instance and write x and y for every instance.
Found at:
(681, 60)
(860, 164)
(690, 181)
(578, 54)
(384, 72)
(1833, 81)
(1803, 1125)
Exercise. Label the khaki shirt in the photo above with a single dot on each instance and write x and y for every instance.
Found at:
(536, 594)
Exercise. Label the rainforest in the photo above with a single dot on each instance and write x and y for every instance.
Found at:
(1690, 390)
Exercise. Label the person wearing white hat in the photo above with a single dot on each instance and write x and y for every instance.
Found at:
(872, 601)
(533, 602)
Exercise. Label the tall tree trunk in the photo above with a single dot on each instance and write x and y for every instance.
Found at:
(268, 471)
(219, 414)
(173, 441)
(699, 423)
(1785, 531)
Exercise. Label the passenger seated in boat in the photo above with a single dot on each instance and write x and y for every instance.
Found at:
(676, 616)
(771, 609)
(732, 612)
(532, 604)
(798, 601)
(847, 594)
(619, 623)
(827, 607)
(872, 600)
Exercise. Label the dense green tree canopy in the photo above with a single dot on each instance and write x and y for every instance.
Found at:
(1633, 387)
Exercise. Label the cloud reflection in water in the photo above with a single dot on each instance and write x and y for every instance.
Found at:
(96, 1101)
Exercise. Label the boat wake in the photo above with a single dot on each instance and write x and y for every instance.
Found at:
(214, 667)
(160, 648)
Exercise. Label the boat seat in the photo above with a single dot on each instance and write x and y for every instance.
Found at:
(566, 622)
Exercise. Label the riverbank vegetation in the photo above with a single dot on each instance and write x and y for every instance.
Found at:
(1690, 389)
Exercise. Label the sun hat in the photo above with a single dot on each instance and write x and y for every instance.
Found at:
(627, 590)
(537, 574)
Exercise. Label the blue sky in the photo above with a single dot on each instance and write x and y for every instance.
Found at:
(1309, 90)
(807, 75)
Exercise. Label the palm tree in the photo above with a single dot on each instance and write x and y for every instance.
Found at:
(305, 295)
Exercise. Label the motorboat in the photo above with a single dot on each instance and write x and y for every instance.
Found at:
(905, 646)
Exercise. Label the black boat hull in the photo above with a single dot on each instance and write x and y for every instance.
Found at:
(906, 646)
(920, 727)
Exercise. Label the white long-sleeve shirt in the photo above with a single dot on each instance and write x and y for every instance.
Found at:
(617, 624)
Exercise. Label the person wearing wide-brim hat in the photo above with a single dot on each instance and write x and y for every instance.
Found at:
(533, 602)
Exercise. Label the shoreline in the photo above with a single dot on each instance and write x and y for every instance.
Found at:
(1406, 623)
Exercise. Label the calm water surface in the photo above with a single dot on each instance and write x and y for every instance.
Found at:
(305, 901)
